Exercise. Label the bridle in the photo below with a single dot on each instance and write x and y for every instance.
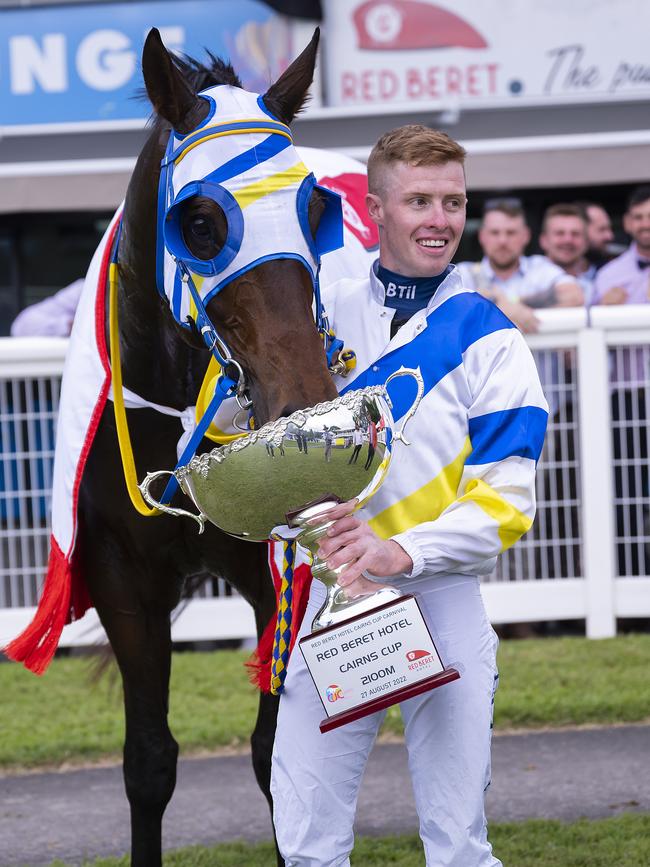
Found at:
(261, 166)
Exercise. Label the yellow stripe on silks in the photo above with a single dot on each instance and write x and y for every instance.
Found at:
(425, 504)
(512, 523)
(247, 195)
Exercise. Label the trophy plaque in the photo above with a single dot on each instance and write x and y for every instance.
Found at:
(373, 660)
(364, 653)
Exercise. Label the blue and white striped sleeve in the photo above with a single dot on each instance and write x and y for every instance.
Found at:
(495, 501)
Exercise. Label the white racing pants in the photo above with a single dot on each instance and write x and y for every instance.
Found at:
(315, 777)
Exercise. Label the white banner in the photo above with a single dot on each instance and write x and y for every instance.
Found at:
(464, 53)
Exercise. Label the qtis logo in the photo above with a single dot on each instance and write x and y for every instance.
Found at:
(334, 692)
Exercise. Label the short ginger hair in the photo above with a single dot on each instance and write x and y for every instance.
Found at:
(414, 144)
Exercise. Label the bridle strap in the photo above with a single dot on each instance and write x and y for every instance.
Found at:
(225, 388)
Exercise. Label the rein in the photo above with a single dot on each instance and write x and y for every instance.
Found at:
(123, 436)
(224, 387)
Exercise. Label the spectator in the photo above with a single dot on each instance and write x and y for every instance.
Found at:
(600, 235)
(357, 442)
(372, 444)
(564, 240)
(624, 280)
(515, 282)
(328, 437)
(52, 317)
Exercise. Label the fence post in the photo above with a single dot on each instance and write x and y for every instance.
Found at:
(597, 482)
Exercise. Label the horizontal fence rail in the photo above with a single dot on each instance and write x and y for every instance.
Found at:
(586, 556)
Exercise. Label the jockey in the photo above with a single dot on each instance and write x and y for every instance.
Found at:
(461, 493)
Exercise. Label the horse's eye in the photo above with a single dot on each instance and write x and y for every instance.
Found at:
(204, 227)
(315, 211)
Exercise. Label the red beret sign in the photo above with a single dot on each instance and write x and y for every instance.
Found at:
(464, 54)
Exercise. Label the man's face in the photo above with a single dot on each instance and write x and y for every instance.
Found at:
(636, 223)
(420, 211)
(503, 238)
(564, 240)
(599, 229)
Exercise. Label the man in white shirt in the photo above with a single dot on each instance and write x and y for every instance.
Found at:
(516, 283)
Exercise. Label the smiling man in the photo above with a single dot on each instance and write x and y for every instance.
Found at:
(460, 493)
(626, 279)
(518, 284)
(564, 240)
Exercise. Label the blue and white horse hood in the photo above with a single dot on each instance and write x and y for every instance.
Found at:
(244, 159)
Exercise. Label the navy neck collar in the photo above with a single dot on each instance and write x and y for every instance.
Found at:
(407, 295)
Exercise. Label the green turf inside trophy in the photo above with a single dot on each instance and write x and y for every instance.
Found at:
(364, 653)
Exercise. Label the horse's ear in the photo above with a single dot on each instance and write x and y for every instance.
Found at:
(170, 94)
(287, 96)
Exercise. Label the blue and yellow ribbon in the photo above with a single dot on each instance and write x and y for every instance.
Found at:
(282, 638)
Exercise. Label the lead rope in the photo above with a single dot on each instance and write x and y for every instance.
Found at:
(123, 436)
(282, 640)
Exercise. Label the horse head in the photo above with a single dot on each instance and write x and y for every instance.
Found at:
(238, 226)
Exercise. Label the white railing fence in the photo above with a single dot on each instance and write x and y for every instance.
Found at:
(586, 556)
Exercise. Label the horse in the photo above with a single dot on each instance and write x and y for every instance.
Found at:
(134, 569)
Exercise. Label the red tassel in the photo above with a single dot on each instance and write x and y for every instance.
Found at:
(259, 663)
(36, 645)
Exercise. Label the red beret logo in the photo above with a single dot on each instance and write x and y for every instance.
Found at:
(412, 655)
(393, 25)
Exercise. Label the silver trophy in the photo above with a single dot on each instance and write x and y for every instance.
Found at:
(291, 472)
(364, 653)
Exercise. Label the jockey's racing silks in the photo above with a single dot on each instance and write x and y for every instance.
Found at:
(244, 159)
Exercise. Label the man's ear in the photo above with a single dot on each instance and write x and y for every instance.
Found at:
(528, 235)
(375, 208)
(627, 224)
(542, 243)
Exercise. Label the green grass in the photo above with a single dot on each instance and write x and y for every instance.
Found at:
(61, 717)
(616, 842)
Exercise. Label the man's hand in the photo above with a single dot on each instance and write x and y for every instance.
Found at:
(569, 295)
(522, 315)
(351, 541)
(615, 295)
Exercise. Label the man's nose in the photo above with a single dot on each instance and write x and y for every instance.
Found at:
(437, 217)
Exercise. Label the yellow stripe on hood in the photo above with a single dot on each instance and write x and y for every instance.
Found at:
(247, 195)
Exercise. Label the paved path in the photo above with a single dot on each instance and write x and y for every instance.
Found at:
(564, 775)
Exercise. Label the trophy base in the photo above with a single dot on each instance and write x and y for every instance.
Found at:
(384, 701)
(377, 658)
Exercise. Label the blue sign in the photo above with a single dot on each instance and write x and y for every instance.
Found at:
(74, 64)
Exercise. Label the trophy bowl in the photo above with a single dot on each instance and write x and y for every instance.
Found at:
(248, 487)
(286, 476)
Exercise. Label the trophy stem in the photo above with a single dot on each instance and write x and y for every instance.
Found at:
(337, 606)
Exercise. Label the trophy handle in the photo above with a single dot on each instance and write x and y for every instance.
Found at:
(144, 489)
(417, 376)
